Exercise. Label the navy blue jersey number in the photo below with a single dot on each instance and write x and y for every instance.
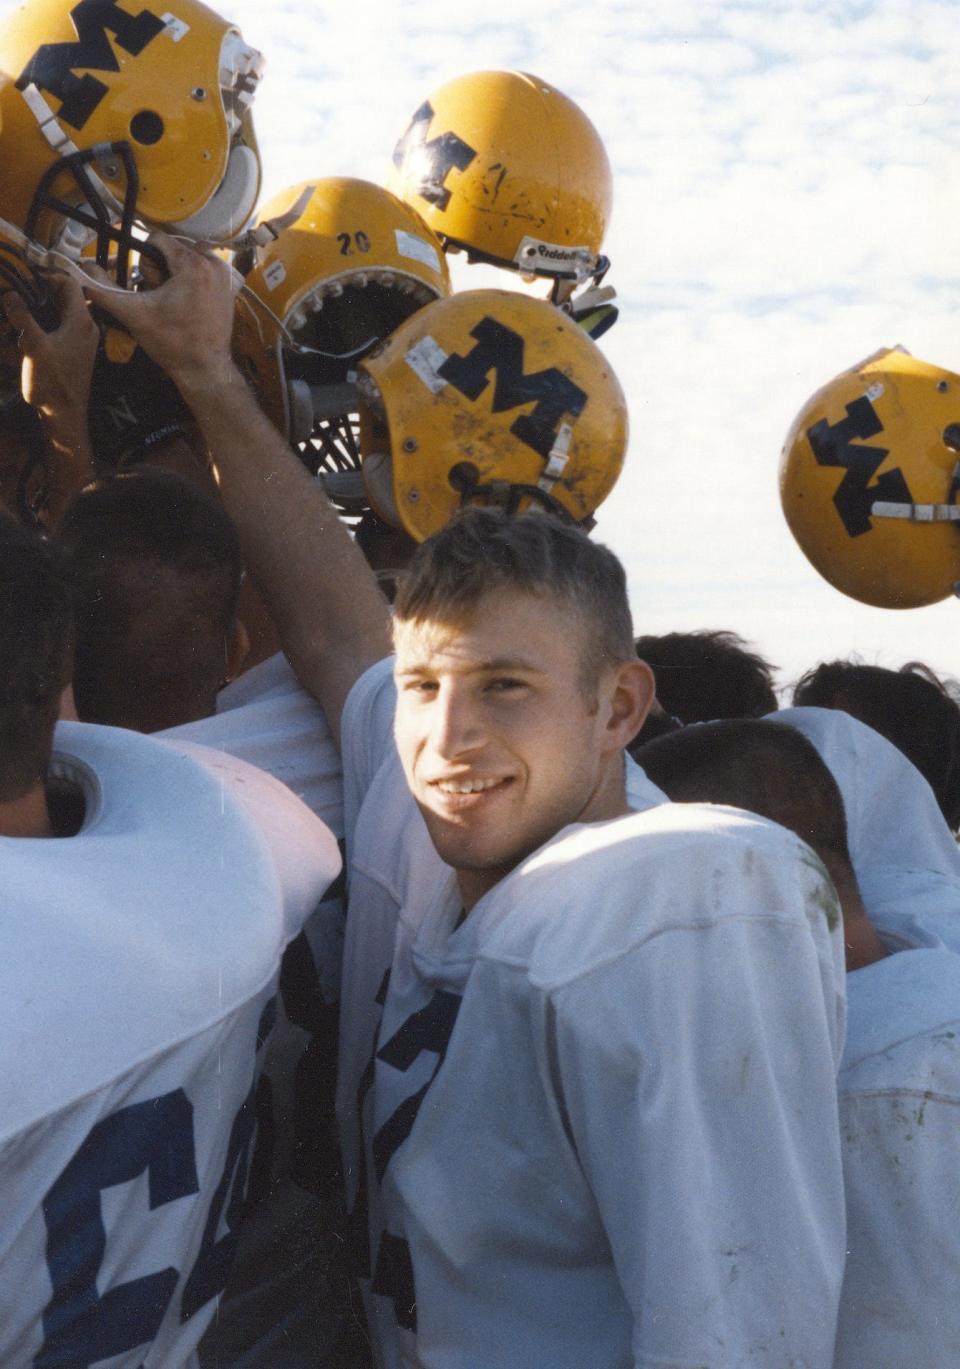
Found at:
(83, 1326)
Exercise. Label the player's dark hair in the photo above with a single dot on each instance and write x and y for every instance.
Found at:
(484, 551)
(36, 636)
(911, 707)
(706, 675)
(156, 569)
(763, 767)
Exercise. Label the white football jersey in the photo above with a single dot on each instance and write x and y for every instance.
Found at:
(279, 1309)
(601, 1113)
(900, 1124)
(895, 830)
(138, 990)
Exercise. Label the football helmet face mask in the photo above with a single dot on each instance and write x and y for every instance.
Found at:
(492, 397)
(156, 130)
(869, 481)
(335, 266)
(508, 169)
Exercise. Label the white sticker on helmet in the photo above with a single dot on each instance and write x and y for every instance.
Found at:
(549, 259)
(417, 250)
(177, 28)
(274, 275)
(425, 359)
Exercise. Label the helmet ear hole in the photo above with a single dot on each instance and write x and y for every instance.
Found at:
(146, 127)
(464, 477)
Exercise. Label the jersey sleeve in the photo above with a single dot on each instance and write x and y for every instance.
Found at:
(301, 848)
(366, 736)
(697, 1074)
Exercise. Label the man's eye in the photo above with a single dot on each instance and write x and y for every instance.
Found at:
(423, 688)
(505, 685)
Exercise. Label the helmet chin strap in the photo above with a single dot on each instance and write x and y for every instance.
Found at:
(508, 496)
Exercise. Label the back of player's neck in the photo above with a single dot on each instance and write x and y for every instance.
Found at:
(28, 816)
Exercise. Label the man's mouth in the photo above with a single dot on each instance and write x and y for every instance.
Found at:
(467, 786)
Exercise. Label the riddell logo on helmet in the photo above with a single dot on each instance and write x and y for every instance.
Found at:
(532, 252)
(53, 66)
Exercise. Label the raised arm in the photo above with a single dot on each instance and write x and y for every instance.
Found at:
(332, 618)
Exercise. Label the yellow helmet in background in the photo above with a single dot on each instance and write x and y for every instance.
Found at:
(115, 113)
(338, 264)
(488, 396)
(869, 481)
(504, 166)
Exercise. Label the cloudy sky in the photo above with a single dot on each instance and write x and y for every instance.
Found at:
(785, 202)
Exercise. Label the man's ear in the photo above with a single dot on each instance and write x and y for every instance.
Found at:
(632, 694)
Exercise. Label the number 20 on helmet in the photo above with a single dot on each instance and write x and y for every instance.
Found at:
(870, 479)
(488, 396)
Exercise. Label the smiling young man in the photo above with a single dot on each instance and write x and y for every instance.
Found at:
(493, 839)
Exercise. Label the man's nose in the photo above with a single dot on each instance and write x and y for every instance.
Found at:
(456, 726)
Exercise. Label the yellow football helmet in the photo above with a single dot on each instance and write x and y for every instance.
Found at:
(335, 266)
(115, 113)
(488, 396)
(505, 167)
(870, 477)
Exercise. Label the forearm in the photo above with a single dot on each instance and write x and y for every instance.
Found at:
(70, 458)
(332, 619)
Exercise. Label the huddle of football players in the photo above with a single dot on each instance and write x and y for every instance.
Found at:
(369, 1002)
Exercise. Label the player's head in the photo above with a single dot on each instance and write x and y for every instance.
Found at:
(870, 477)
(36, 638)
(518, 685)
(708, 674)
(508, 169)
(488, 397)
(763, 767)
(116, 113)
(911, 707)
(156, 569)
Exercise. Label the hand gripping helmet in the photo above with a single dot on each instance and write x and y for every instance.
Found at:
(870, 478)
(337, 264)
(23, 267)
(507, 168)
(113, 112)
(488, 396)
